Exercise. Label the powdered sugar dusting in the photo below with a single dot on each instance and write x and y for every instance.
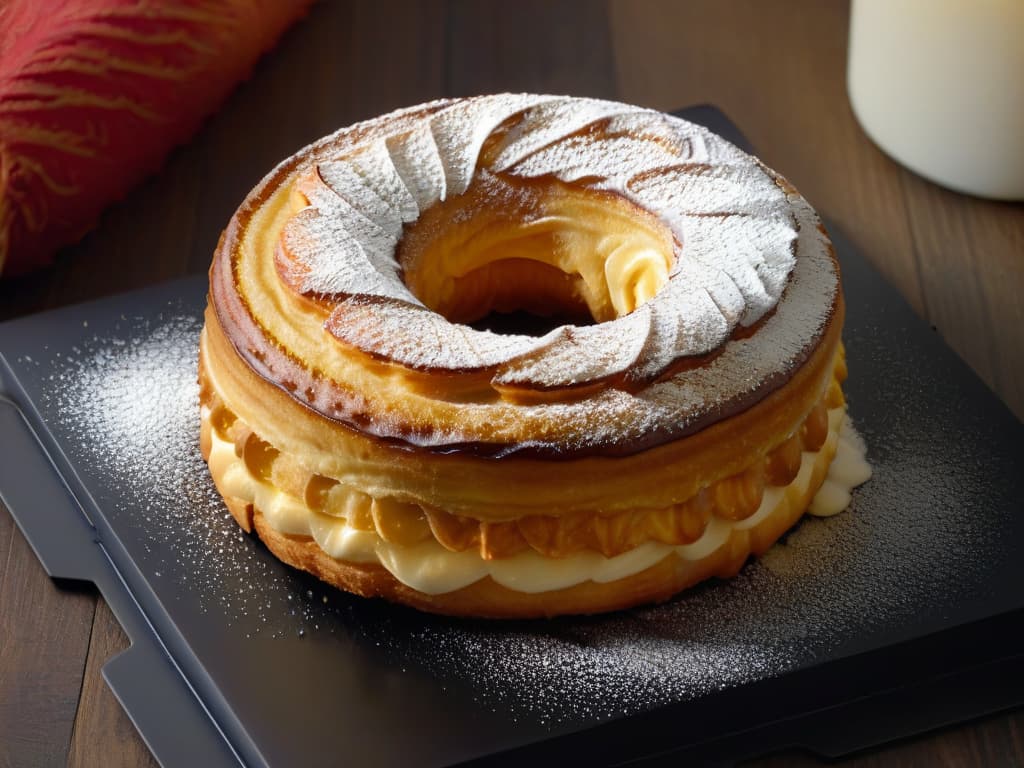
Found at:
(382, 326)
(550, 122)
(354, 188)
(730, 214)
(418, 161)
(674, 331)
(613, 159)
(358, 257)
(128, 405)
(777, 346)
(612, 417)
(461, 130)
(375, 167)
(580, 354)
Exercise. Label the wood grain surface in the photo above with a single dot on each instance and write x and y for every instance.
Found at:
(778, 69)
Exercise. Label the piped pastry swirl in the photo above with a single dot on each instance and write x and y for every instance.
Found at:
(681, 299)
(706, 333)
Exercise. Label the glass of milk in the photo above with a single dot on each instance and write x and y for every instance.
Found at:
(939, 86)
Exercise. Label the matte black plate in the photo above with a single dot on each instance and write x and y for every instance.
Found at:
(901, 614)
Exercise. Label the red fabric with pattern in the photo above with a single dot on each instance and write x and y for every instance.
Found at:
(94, 93)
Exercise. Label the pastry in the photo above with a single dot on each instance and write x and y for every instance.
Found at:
(359, 417)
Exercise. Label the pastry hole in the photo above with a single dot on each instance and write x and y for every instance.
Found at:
(541, 253)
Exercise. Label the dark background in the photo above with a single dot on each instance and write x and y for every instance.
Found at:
(777, 69)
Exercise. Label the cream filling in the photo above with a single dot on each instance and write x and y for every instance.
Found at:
(849, 468)
(430, 568)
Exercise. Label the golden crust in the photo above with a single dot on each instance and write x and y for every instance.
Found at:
(429, 441)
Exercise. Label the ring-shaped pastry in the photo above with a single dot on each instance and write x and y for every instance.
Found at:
(359, 418)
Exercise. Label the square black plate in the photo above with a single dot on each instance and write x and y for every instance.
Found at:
(901, 614)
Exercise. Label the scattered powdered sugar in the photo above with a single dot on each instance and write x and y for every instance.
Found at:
(128, 408)
(125, 408)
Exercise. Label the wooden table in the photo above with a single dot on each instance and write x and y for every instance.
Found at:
(776, 68)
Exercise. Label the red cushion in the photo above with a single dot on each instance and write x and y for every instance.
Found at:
(94, 93)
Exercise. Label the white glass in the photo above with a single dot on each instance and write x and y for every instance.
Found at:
(939, 86)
